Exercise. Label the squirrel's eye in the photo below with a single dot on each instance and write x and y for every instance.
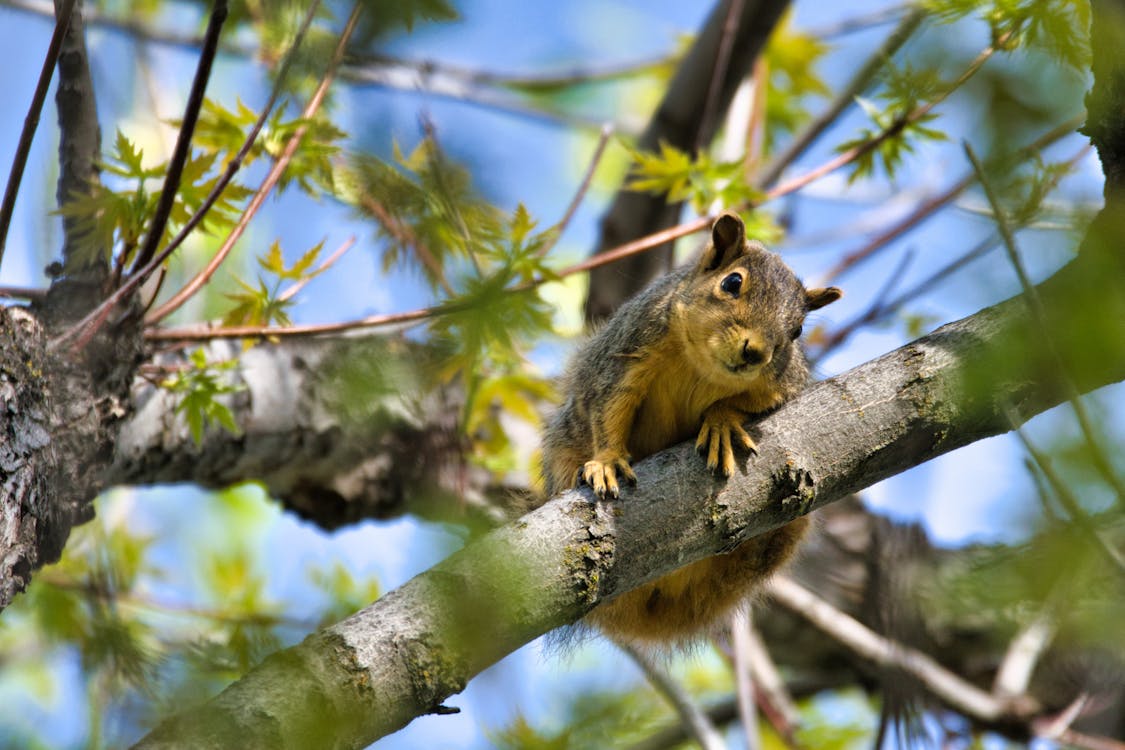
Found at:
(796, 333)
(732, 284)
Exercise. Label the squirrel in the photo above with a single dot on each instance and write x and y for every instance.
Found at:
(693, 355)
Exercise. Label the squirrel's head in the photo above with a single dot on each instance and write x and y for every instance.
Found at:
(742, 309)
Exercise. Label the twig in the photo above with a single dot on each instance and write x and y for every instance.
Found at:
(861, 23)
(268, 183)
(431, 76)
(740, 627)
(1089, 741)
(630, 248)
(196, 333)
(99, 314)
(22, 292)
(1035, 304)
(580, 193)
(947, 686)
(328, 262)
(436, 160)
(692, 716)
(1058, 729)
(893, 129)
(1065, 497)
(927, 208)
(1014, 673)
(845, 98)
(406, 235)
(718, 72)
(183, 141)
(879, 312)
(207, 332)
(31, 121)
(95, 590)
(774, 698)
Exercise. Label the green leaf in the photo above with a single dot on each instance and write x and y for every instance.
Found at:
(198, 388)
(791, 60)
(701, 181)
(127, 158)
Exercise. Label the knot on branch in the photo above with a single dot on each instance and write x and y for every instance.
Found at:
(792, 484)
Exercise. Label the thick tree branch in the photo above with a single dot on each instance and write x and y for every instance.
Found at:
(406, 653)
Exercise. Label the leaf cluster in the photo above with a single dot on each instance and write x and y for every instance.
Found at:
(1057, 27)
(700, 180)
(198, 388)
(107, 609)
(266, 304)
(111, 219)
(221, 132)
(791, 59)
(898, 126)
(486, 264)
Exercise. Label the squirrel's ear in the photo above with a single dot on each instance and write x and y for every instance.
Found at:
(818, 298)
(728, 237)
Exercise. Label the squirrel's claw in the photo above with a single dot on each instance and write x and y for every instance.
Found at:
(715, 439)
(601, 474)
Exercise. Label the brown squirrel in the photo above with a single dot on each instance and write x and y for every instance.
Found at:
(692, 355)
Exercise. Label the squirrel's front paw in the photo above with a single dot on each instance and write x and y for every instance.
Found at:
(601, 473)
(719, 424)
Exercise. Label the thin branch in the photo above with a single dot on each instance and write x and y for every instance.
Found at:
(22, 292)
(861, 23)
(622, 251)
(433, 77)
(927, 208)
(878, 312)
(1066, 498)
(97, 316)
(773, 694)
(328, 263)
(1058, 729)
(744, 682)
(104, 593)
(1013, 676)
(406, 236)
(718, 73)
(580, 193)
(31, 121)
(268, 183)
(845, 98)
(207, 332)
(692, 716)
(183, 141)
(896, 127)
(947, 686)
(1035, 304)
(452, 209)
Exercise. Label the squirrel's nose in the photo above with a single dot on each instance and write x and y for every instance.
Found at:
(751, 354)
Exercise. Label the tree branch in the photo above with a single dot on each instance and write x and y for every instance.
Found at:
(79, 147)
(407, 652)
(31, 122)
